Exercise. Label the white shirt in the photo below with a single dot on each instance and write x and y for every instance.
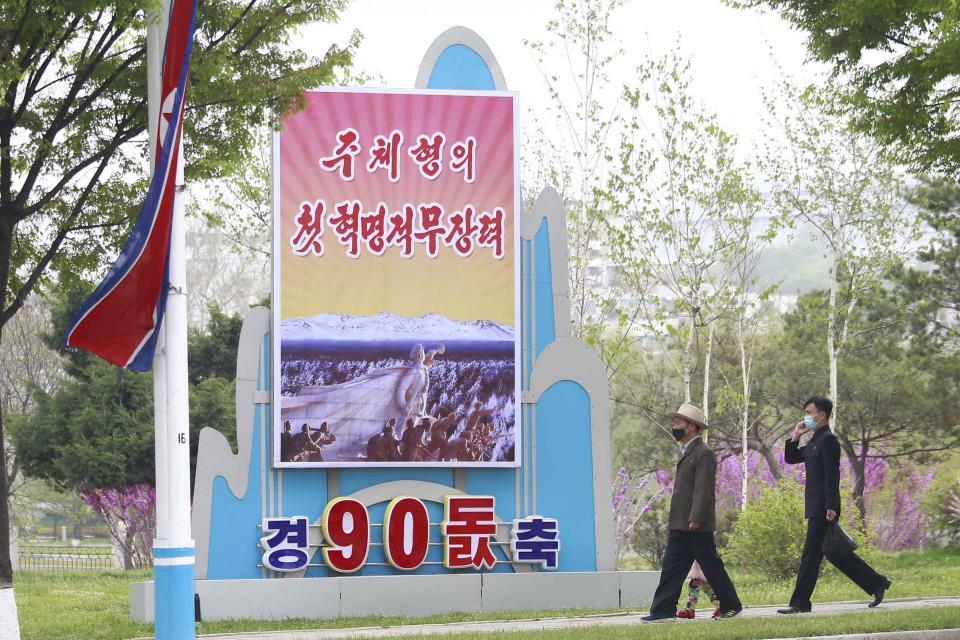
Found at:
(684, 447)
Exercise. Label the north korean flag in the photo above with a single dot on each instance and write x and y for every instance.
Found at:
(120, 320)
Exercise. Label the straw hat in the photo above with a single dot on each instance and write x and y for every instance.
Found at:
(689, 413)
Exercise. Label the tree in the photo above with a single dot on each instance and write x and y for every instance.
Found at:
(679, 202)
(901, 61)
(932, 292)
(26, 364)
(581, 42)
(899, 405)
(73, 117)
(843, 183)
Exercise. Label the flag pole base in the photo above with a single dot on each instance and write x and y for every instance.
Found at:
(173, 574)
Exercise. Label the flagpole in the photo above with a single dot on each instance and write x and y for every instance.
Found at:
(173, 551)
(156, 27)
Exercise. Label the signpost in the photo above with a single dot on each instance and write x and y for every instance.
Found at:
(417, 431)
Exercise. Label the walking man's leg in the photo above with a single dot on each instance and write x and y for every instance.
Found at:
(809, 564)
(677, 561)
(705, 549)
(862, 574)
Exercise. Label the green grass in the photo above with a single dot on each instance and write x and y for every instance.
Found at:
(914, 573)
(755, 629)
(87, 605)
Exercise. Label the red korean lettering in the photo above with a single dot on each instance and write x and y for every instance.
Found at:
(345, 224)
(344, 153)
(491, 231)
(468, 523)
(462, 231)
(428, 154)
(463, 158)
(307, 237)
(431, 229)
(401, 230)
(384, 155)
(372, 229)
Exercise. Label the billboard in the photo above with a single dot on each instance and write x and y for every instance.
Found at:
(396, 276)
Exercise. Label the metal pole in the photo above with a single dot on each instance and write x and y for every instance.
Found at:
(173, 552)
(155, 37)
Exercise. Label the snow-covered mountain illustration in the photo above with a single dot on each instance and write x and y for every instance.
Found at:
(385, 326)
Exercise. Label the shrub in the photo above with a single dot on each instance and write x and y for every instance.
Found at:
(651, 532)
(942, 506)
(768, 535)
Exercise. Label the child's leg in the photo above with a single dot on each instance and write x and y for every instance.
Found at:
(693, 594)
(710, 593)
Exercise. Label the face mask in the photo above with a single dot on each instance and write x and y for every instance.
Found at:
(678, 434)
(810, 422)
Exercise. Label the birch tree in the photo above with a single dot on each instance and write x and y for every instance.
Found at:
(575, 61)
(678, 201)
(846, 186)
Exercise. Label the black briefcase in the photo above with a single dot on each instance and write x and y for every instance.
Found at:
(837, 543)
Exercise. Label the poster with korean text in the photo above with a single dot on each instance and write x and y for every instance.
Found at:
(396, 277)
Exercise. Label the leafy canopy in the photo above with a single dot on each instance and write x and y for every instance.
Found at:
(902, 59)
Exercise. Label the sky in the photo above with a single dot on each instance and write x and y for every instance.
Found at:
(734, 53)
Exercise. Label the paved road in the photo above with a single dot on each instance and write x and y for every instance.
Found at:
(604, 620)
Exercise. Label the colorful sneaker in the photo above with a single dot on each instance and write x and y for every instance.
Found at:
(687, 614)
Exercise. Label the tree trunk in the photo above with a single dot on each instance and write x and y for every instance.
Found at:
(706, 382)
(772, 461)
(831, 338)
(745, 426)
(858, 465)
(128, 549)
(6, 564)
(688, 363)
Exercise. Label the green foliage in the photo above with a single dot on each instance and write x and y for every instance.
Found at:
(96, 606)
(650, 534)
(96, 429)
(768, 535)
(932, 293)
(901, 64)
(72, 128)
(942, 503)
(213, 352)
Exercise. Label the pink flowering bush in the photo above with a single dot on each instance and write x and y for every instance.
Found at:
(130, 514)
(895, 519)
(633, 496)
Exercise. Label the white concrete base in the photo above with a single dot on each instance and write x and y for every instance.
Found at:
(413, 596)
(9, 623)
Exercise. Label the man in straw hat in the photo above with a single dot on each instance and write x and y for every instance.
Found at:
(692, 522)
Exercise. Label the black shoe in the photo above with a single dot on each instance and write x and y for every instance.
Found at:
(732, 613)
(879, 593)
(792, 609)
(657, 617)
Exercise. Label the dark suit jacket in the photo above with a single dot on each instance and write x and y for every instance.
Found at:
(694, 490)
(821, 461)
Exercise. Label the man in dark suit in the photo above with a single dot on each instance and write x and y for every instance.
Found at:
(692, 522)
(821, 461)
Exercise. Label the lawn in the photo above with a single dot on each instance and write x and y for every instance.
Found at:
(95, 605)
(914, 574)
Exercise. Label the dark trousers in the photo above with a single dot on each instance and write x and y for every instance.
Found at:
(852, 566)
(683, 547)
